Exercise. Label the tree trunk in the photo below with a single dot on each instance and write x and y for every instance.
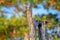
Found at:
(30, 22)
(43, 31)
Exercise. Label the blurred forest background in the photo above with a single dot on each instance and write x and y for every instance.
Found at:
(15, 22)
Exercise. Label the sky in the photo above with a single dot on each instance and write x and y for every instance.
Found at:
(40, 10)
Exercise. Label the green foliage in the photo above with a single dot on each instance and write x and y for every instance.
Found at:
(23, 1)
(19, 24)
(14, 1)
(55, 3)
(50, 18)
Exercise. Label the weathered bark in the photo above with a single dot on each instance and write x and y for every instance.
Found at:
(30, 22)
(43, 31)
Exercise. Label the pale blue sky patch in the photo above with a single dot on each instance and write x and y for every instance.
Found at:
(7, 10)
(53, 11)
(40, 5)
(58, 15)
(19, 14)
(8, 15)
(39, 10)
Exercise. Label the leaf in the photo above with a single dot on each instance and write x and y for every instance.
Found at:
(23, 1)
